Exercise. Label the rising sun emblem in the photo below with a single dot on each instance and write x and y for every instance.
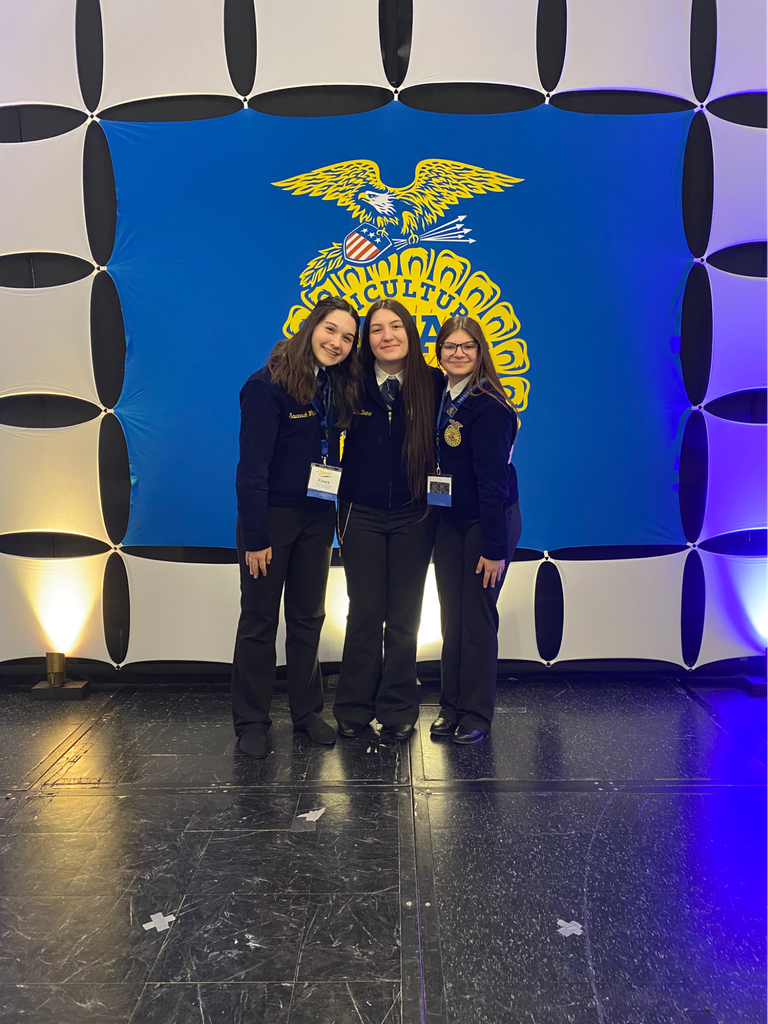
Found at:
(392, 252)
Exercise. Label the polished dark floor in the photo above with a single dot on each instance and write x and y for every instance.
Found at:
(601, 858)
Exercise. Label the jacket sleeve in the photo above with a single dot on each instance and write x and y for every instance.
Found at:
(259, 421)
(492, 437)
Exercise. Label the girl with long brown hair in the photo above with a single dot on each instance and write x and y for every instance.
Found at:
(386, 531)
(479, 526)
(290, 410)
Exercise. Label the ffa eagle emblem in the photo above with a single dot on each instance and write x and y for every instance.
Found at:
(395, 250)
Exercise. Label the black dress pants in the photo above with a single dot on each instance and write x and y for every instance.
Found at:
(386, 555)
(302, 540)
(469, 622)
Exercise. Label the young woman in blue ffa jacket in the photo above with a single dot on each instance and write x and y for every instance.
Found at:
(285, 536)
(385, 529)
(478, 531)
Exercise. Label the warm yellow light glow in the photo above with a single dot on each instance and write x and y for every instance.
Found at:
(62, 596)
(429, 629)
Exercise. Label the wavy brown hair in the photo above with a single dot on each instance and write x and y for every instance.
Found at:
(418, 398)
(292, 365)
(484, 377)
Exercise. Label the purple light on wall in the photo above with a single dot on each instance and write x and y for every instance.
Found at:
(736, 493)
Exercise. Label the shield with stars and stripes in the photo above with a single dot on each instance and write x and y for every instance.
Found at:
(364, 244)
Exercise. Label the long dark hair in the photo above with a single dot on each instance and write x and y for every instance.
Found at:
(484, 377)
(418, 393)
(292, 365)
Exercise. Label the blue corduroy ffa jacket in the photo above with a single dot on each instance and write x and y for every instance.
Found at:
(484, 481)
(372, 465)
(279, 440)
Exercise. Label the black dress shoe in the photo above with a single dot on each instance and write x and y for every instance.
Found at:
(467, 736)
(442, 726)
(254, 743)
(350, 729)
(399, 732)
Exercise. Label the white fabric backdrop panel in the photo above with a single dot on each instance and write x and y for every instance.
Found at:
(37, 53)
(739, 359)
(739, 212)
(741, 50)
(634, 44)
(168, 48)
(301, 42)
(736, 488)
(484, 41)
(45, 341)
(50, 480)
(336, 605)
(627, 608)
(52, 604)
(517, 624)
(41, 184)
(736, 618)
(182, 611)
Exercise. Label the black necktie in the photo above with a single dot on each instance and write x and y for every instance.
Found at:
(389, 390)
(323, 382)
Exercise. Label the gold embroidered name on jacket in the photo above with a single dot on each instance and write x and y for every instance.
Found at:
(301, 415)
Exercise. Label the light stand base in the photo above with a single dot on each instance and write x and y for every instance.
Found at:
(73, 689)
(755, 686)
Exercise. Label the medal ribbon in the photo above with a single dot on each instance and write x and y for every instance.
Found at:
(445, 415)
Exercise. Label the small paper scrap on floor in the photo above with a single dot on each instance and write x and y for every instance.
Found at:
(307, 822)
(160, 921)
(569, 927)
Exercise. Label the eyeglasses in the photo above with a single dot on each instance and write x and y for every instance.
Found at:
(468, 347)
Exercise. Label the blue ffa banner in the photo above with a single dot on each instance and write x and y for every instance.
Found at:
(560, 232)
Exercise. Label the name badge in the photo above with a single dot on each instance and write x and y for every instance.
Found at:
(323, 481)
(439, 490)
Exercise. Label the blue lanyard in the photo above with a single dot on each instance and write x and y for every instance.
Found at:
(450, 412)
(322, 408)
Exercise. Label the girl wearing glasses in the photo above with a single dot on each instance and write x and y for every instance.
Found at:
(477, 532)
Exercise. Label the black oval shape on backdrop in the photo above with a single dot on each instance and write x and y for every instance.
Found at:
(200, 556)
(703, 46)
(99, 194)
(551, 34)
(116, 605)
(527, 555)
(107, 339)
(470, 98)
(173, 108)
(692, 607)
(694, 472)
(744, 542)
(114, 477)
(696, 334)
(619, 101)
(89, 47)
(395, 30)
(41, 269)
(29, 122)
(740, 406)
(240, 43)
(51, 545)
(614, 551)
(321, 100)
(698, 185)
(548, 610)
(45, 411)
(748, 108)
(748, 259)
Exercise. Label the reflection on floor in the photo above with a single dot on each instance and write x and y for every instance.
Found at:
(601, 858)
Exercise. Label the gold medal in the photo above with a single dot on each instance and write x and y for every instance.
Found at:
(452, 434)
